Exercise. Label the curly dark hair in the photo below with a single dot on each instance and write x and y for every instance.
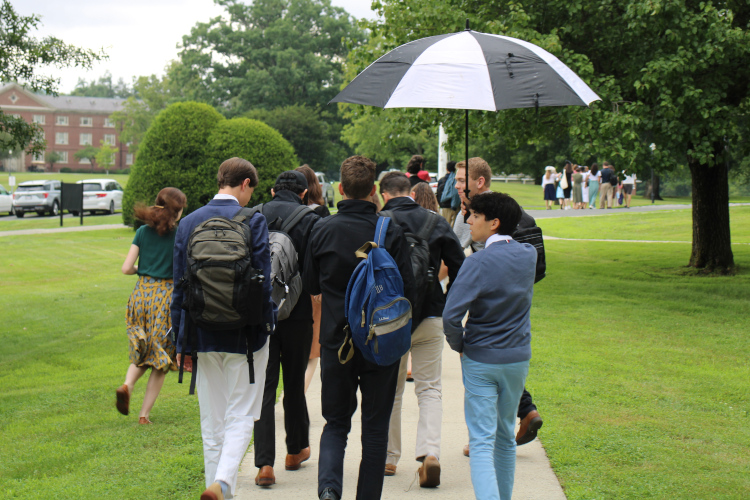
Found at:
(498, 206)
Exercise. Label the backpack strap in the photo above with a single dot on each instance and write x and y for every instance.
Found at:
(245, 213)
(429, 227)
(380, 231)
(295, 217)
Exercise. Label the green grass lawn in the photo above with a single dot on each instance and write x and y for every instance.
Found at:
(35, 222)
(640, 371)
(672, 225)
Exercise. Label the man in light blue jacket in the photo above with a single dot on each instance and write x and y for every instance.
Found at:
(495, 286)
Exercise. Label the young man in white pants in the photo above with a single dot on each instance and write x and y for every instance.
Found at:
(229, 403)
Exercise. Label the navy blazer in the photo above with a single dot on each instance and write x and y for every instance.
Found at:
(231, 341)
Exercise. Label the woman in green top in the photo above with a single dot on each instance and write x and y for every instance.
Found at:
(148, 317)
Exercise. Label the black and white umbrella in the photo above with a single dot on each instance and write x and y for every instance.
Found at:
(467, 70)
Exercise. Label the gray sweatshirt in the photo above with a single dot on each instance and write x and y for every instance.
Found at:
(495, 286)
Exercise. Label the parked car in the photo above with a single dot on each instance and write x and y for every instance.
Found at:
(101, 195)
(6, 201)
(433, 181)
(37, 196)
(328, 198)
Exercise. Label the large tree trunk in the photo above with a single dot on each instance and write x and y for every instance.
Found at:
(712, 247)
(655, 187)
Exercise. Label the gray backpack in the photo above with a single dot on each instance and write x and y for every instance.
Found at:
(286, 281)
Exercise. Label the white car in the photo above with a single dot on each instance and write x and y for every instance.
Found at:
(327, 189)
(101, 195)
(433, 181)
(6, 201)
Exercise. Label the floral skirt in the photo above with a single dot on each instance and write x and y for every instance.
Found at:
(149, 321)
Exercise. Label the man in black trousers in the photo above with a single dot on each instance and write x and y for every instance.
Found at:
(290, 347)
(330, 263)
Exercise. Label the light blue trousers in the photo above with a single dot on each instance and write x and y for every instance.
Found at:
(491, 396)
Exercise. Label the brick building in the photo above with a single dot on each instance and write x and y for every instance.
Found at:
(70, 123)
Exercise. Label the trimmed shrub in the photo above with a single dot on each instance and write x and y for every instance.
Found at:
(173, 153)
(257, 143)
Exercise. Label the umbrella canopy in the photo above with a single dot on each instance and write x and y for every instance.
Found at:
(467, 70)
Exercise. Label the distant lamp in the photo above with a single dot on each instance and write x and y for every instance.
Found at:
(652, 146)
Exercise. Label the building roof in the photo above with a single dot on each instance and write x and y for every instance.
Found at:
(70, 103)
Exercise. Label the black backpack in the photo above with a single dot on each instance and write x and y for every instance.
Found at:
(223, 291)
(286, 281)
(528, 232)
(419, 251)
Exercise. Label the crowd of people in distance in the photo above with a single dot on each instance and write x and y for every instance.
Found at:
(476, 295)
(578, 187)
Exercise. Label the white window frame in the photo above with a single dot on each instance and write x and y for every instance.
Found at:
(84, 161)
(109, 123)
(39, 119)
(87, 121)
(63, 156)
(113, 142)
(62, 138)
(38, 158)
(129, 159)
(62, 121)
(90, 139)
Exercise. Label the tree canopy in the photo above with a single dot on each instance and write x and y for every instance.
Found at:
(21, 56)
(102, 87)
(267, 54)
(669, 73)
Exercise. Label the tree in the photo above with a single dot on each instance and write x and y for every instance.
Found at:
(88, 153)
(52, 158)
(687, 94)
(173, 153)
(21, 56)
(266, 54)
(151, 94)
(103, 87)
(105, 157)
(314, 133)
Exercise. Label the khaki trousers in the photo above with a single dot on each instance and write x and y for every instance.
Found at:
(449, 214)
(426, 366)
(605, 192)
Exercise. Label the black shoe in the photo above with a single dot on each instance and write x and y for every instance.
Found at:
(329, 494)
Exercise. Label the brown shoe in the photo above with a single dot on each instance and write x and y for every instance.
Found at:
(265, 476)
(122, 401)
(144, 421)
(213, 492)
(429, 473)
(293, 462)
(530, 425)
(390, 470)
(466, 450)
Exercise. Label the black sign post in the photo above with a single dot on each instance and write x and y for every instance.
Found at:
(72, 199)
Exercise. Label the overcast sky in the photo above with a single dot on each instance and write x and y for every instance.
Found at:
(140, 36)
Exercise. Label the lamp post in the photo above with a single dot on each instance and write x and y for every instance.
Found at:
(653, 189)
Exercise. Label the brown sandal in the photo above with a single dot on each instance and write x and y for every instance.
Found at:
(123, 399)
(144, 421)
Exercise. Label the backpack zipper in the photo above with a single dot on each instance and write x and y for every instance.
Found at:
(373, 334)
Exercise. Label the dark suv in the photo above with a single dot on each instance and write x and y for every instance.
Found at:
(37, 196)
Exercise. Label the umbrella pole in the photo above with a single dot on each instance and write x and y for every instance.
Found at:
(466, 143)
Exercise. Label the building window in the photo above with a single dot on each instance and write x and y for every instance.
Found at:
(84, 161)
(38, 158)
(13, 98)
(40, 119)
(109, 123)
(62, 120)
(85, 140)
(129, 159)
(61, 138)
(63, 156)
(86, 121)
(110, 139)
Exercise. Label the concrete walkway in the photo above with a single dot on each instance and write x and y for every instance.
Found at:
(72, 229)
(534, 477)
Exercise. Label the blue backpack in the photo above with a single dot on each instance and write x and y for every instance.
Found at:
(377, 313)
